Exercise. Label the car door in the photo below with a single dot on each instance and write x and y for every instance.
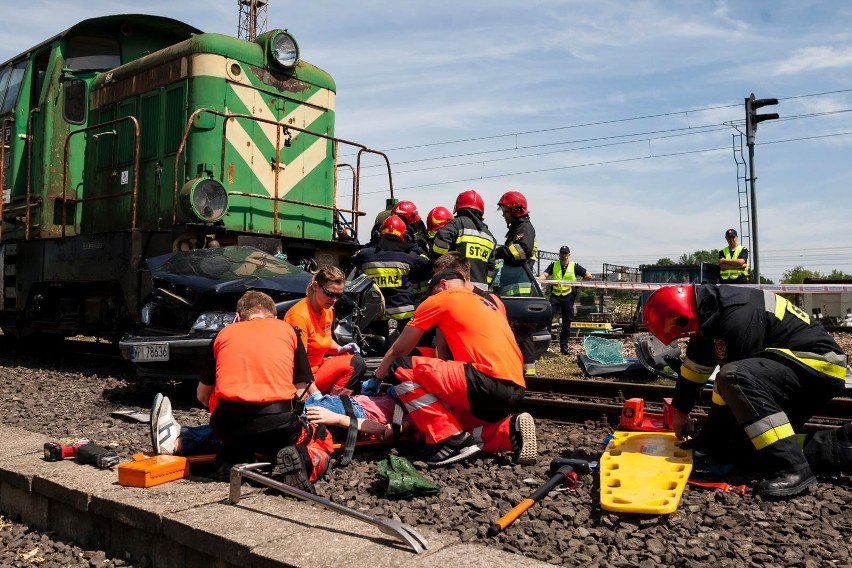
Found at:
(527, 309)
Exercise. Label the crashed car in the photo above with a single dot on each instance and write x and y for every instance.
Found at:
(195, 293)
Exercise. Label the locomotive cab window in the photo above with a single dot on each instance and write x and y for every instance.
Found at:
(10, 85)
(85, 53)
(74, 101)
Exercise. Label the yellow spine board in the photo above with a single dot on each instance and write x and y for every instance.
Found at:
(643, 472)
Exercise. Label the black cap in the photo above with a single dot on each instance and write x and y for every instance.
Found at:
(730, 233)
(564, 248)
(444, 275)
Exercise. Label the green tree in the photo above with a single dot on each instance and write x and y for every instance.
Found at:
(839, 275)
(797, 275)
(765, 280)
(665, 260)
(700, 256)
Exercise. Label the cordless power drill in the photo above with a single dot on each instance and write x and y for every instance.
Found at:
(62, 449)
(96, 455)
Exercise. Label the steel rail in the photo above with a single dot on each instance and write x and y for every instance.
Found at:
(579, 401)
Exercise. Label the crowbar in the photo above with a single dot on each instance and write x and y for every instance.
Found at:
(391, 527)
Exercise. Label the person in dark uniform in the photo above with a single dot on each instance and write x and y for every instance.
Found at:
(561, 295)
(468, 234)
(415, 228)
(394, 267)
(520, 248)
(733, 261)
(777, 369)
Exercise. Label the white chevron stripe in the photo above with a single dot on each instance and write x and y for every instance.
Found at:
(301, 116)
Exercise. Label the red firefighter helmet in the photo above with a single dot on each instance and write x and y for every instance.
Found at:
(470, 200)
(671, 312)
(393, 225)
(515, 201)
(406, 210)
(437, 218)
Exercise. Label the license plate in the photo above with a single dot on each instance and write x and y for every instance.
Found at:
(150, 352)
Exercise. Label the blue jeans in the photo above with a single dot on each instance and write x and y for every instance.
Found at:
(195, 440)
(333, 403)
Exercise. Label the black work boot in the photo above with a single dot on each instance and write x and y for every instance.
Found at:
(787, 484)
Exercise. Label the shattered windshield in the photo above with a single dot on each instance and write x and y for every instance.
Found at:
(229, 269)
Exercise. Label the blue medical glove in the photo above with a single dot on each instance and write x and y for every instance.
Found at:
(392, 392)
(371, 387)
(348, 348)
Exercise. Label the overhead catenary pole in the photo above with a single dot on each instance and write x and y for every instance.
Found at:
(752, 120)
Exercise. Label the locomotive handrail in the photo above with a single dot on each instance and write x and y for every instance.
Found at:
(134, 188)
(280, 128)
(7, 122)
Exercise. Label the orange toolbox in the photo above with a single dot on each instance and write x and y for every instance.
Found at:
(149, 471)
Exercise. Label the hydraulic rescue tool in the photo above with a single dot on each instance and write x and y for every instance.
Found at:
(391, 527)
(561, 470)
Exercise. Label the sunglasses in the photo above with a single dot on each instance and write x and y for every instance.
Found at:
(334, 295)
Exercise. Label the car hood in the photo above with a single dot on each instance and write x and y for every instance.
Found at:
(228, 270)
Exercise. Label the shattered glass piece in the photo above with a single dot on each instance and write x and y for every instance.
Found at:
(602, 350)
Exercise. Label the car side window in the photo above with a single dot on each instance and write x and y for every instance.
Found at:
(515, 281)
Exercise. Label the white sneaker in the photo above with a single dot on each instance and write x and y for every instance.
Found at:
(165, 431)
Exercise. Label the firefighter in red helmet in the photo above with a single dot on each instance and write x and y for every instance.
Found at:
(520, 249)
(415, 232)
(778, 368)
(437, 218)
(468, 234)
(396, 269)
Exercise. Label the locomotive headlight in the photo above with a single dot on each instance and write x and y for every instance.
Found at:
(205, 198)
(284, 50)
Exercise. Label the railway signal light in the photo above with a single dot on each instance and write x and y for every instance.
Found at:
(752, 118)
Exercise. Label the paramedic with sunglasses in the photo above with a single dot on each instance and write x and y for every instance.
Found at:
(337, 368)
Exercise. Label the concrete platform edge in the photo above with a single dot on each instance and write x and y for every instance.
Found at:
(189, 523)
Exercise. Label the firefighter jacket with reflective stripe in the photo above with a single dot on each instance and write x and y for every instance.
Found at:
(563, 274)
(737, 323)
(521, 246)
(395, 269)
(739, 252)
(468, 234)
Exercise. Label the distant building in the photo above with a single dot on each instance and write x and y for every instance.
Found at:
(831, 307)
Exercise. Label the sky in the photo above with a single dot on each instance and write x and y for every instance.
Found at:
(619, 121)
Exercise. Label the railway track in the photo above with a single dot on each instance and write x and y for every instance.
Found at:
(579, 401)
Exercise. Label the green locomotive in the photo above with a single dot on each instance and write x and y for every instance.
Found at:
(127, 137)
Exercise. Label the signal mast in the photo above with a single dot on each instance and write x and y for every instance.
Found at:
(252, 18)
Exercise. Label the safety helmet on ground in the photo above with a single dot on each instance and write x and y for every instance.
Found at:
(393, 225)
(470, 200)
(407, 211)
(515, 201)
(437, 218)
(671, 312)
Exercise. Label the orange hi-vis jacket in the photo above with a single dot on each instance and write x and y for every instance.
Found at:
(255, 361)
(476, 332)
(315, 329)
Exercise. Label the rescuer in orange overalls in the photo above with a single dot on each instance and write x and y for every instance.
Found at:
(337, 368)
(257, 363)
(476, 382)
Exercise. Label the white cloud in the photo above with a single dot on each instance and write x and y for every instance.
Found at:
(810, 59)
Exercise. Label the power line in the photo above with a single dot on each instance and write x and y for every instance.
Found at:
(598, 163)
(605, 122)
